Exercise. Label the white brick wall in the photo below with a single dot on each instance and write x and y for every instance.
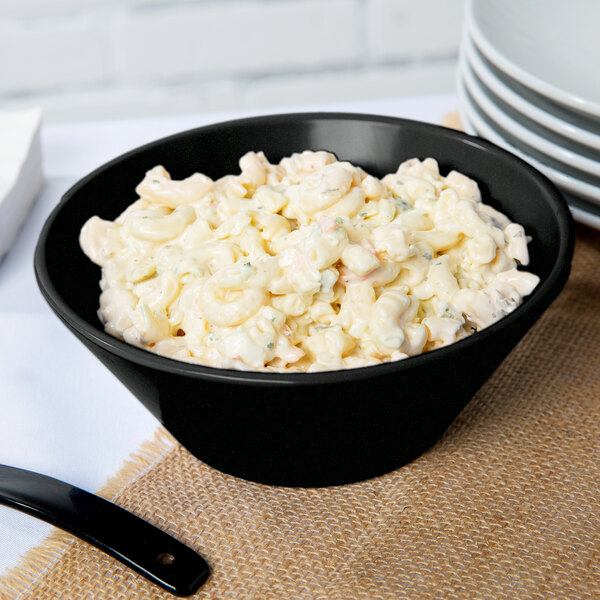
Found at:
(236, 38)
(399, 29)
(352, 84)
(45, 54)
(96, 59)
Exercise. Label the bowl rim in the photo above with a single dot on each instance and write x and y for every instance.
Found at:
(535, 304)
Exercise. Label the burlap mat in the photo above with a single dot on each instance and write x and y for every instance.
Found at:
(506, 505)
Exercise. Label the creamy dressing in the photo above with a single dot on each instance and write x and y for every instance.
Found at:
(306, 265)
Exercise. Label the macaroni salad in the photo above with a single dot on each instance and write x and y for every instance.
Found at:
(307, 265)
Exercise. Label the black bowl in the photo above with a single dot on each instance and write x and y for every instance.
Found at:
(300, 429)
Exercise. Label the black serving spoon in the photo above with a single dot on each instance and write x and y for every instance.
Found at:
(151, 552)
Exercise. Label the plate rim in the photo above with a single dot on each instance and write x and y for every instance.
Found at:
(560, 153)
(579, 214)
(557, 177)
(571, 100)
(529, 109)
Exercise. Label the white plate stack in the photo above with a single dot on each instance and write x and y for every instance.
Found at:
(529, 81)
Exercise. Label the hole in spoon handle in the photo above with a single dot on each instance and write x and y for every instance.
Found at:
(151, 552)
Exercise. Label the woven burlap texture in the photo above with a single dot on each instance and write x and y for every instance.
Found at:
(506, 505)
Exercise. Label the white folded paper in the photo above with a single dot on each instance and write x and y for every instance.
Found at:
(21, 174)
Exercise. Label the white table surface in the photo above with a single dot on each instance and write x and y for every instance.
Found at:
(62, 412)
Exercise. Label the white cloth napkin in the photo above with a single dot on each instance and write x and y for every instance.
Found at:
(20, 170)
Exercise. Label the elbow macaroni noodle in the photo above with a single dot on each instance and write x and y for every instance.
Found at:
(307, 265)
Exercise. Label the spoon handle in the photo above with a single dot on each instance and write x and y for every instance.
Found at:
(151, 552)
